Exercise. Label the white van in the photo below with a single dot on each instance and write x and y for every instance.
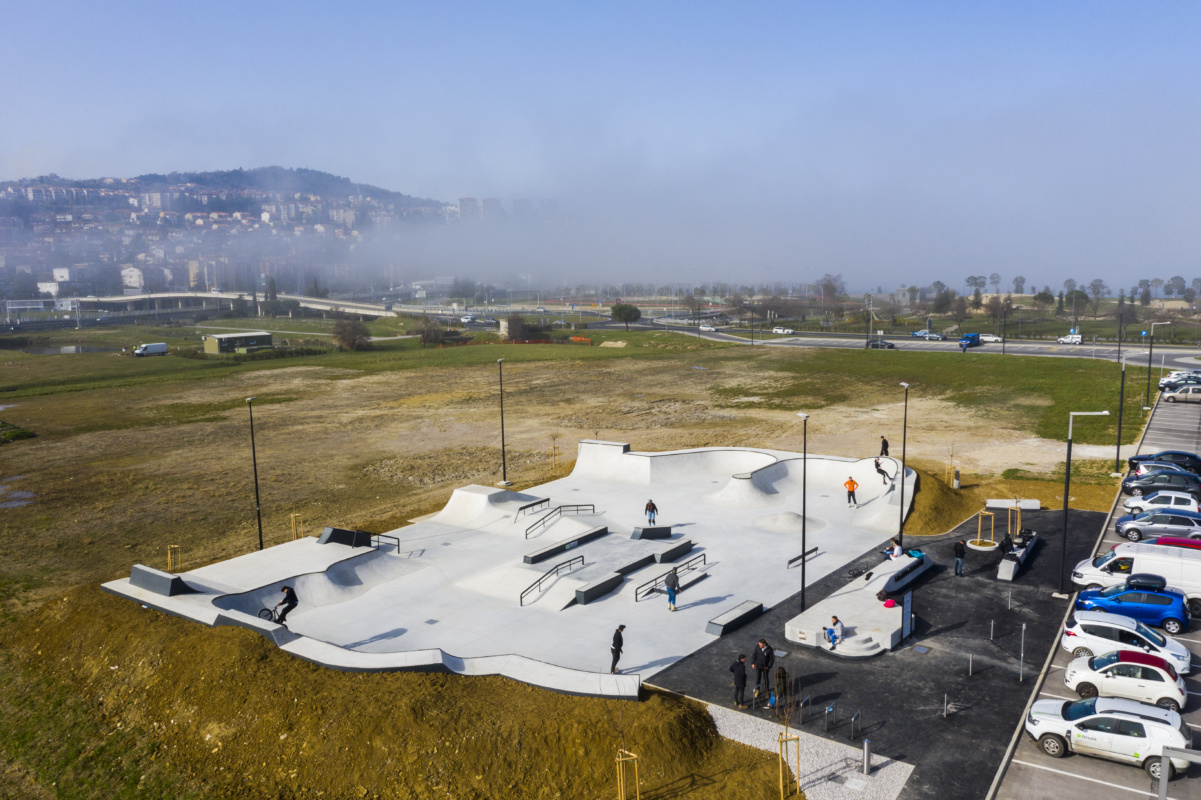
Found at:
(159, 349)
(1071, 338)
(1179, 566)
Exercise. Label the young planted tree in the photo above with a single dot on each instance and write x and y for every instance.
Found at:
(351, 334)
(627, 313)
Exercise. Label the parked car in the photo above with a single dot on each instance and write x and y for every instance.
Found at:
(785, 331)
(1147, 467)
(1110, 728)
(467, 318)
(1173, 385)
(1071, 338)
(156, 349)
(935, 337)
(1131, 674)
(540, 310)
(708, 329)
(1162, 541)
(1154, 605)
(1185, 394)
(1178, 567)
(922, 334)
(1088, 633)
(1162, 501)
(880, 344)
(1185, 524)
(991, 337)
(1189, 461)
(1138, 485)
(490, 321)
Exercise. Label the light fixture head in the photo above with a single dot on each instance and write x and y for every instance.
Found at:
(905, 384)
(499, 360)
(251, 399)
(802, 415)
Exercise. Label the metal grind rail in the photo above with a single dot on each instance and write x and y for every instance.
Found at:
(530, 508)
(555, 513)
(376, 538)
(648, 588)
(552, 572)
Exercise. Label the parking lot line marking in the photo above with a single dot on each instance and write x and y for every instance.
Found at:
(1143, 792)
(1060, 697)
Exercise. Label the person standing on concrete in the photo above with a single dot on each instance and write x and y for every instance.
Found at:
(651, 511)
(739, 670)
(883, 447)
(880, 471)
(960, 553)
(672, 582)
(762, 661)
(851, 486)
(287, 604)
(615, 649)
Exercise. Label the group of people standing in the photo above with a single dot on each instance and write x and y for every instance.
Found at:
(763, 658)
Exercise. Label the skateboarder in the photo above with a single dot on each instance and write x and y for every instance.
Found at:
(651, 510)
(851, 486)
(880, 471)
(883, 447)
(615, 649)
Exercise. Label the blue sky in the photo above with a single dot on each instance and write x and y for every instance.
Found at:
(779, 140)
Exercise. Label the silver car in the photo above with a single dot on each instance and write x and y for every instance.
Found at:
(1162, 501)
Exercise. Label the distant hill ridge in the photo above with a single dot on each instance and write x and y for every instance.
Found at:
(265, 179)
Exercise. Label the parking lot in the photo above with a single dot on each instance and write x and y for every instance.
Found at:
(1031, 774)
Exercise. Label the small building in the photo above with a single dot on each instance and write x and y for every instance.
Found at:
(248, 342)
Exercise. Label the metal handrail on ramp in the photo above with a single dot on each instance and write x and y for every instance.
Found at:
(648, 588)
(557, 512)
(553, 571)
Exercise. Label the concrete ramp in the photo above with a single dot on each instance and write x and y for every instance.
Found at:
(787, 522)
(475, 506)
(744, 491)
(343, 581)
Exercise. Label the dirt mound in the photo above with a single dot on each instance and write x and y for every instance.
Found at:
(937, 508)
(235, 717)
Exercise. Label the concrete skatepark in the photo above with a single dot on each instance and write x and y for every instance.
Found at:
(473, 589)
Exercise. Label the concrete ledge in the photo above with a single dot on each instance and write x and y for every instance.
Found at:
(1007, 570)
(658, 532)
(276, 633)
(346, 537)
(157, 581)
(681, 548)
(735, 618)
(565, 545)
(598, 588)
(636, 564)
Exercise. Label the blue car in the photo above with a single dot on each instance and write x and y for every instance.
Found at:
(1161, 607)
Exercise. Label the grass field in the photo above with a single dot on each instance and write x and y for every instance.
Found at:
(132, 455)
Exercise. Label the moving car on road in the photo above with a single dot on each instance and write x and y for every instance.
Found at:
(1111, 728)
(467, 319)
(935, 337)
(880, 344)
(1071, 338)
(1162, 501)
(708, 329)
(970, 340)
(1090, 632)
(1189, 461)
(1131, 674)
(991, 337)
(785, 331)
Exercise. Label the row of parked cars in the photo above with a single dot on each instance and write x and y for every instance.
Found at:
(1129, 676)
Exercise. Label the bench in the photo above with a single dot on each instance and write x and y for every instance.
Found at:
(567, 544)
(659, 532)
(157, 581)
(678, 549)
(598, 588)
(1007, 570)
(734, 618)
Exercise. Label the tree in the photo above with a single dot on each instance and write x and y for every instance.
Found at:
(959, 309)
(994, 307)
(977, 299)
(1074, 303)
(1044, 299)
(1097, 289)
(1059, 307)
(913, 293)
(832, 286)
(429, 331)
(1069, 285)
(938, 286)
(995, 280)
(694, 305)
(1019, 284)
(271, 289)
(1178, 285)
(1144, 295)
(1190, 294)
(1156, 285)
(352, 334)
(627, 313)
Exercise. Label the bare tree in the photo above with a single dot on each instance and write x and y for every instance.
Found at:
(351, 334)
(995, 280)
(1097, 289)
(1069, 286)
(832, 286)
(1019, 284)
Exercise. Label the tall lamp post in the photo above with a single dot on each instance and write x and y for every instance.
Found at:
(504, 471)
(1067, 485)
(254, 459)
(804, 498)
(1117, 453)
(904, 435)
(1150, 360)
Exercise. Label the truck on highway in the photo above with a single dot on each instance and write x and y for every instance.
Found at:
(158, 349)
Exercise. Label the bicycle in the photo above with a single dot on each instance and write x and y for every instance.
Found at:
(269, 614)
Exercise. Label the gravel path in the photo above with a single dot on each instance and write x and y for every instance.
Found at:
(831, 771)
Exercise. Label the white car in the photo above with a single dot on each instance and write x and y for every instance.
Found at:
(708, 329)
(1090, 632)
(785, 331)
(466, 318)
(1108, 727)
(991, 337)
(1071, 338)
(1177, 501)
(1131, 674)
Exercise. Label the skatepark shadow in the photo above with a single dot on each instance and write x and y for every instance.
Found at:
(680, 787)
(658, 662)
(816, 677)
(379, 637)
(707, 601)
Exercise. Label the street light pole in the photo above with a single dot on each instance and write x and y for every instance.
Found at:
(904, 436)
(1004, 326)
(1150, 361)
(504, 471)
(1117, 454)
(254, 459)
(804, 499)
(1067, 485)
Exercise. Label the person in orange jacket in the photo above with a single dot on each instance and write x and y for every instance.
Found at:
(851, 486)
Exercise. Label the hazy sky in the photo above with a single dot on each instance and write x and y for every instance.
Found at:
(892, 142)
